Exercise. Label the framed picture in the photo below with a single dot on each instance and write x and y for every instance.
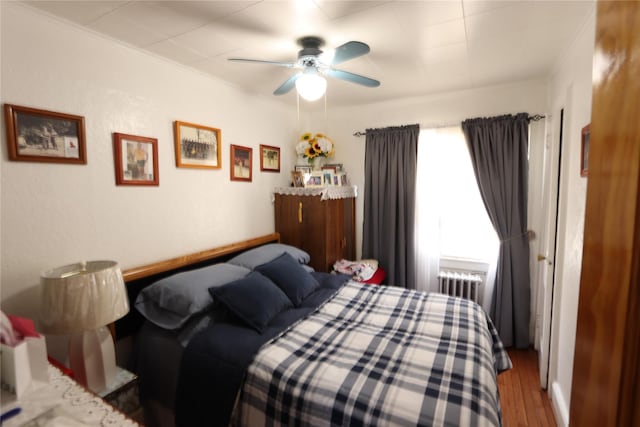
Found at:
(269, 158)
(327, 177)
(44, 136)
(136, 159)
(584, 153)
(302, 168)
(197, 146)
(241, 163)
(297, 179)
(313, 179)
(337, 167)
(333, 168)
(340, 179)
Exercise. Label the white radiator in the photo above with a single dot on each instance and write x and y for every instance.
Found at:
(461, 284)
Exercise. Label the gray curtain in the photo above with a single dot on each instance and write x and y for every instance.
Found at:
(389, 201)
(498, 148)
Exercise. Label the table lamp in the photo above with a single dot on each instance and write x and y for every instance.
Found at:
(81, 300)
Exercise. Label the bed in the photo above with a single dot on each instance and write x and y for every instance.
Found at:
(258, 338)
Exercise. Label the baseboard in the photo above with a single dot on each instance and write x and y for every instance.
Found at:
(560, 408)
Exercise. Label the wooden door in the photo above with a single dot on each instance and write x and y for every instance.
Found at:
(606, 370)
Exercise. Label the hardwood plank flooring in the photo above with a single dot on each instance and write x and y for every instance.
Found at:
(523, 402)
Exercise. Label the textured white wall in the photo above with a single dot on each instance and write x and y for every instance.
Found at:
(570, 88)
(55, 214)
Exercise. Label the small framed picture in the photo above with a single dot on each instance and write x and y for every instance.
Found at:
(136, 160)
(584, 153)
(241, 163)
(297, 178)
(44, 136)
(269, 158)
(302, 168)
(341, 179)
(197, 146)
(333, 168)
(337, 167)
(313, 179)
(327, 177)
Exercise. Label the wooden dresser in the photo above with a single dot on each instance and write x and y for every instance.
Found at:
(318, 221)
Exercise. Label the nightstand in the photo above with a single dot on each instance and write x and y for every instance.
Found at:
(62, 401)
(123, 394)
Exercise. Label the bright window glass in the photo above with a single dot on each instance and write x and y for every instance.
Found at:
(449, 197)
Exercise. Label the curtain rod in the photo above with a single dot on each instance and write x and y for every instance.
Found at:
(533, 118)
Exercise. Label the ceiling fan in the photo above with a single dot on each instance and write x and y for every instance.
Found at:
(313, 65)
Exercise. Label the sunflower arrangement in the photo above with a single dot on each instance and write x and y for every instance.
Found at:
(311, 146)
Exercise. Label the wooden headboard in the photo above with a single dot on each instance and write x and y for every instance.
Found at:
(138, 278)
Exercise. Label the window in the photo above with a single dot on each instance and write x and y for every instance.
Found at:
(451, 216)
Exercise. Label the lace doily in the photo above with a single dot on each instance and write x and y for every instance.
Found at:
(63, 402)
(326, 193)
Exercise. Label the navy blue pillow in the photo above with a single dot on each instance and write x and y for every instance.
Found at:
(255, 299)
(290, 276)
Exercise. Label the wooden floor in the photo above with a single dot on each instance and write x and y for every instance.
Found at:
(523, 402)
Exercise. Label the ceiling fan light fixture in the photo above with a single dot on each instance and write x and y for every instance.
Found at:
(311, 86)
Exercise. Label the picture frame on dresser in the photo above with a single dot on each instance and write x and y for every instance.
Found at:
(297, 179)
(35, 135)
(269, 158)
(241, 163)
(136, 159)
(313, 180)
(303, 168)
(197, 146)
(328, 177)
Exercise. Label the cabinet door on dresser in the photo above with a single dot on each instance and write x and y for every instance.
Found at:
(324, 229)
(340, 230)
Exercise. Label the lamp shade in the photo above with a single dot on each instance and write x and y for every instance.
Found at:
(81, 297)
(311, 86)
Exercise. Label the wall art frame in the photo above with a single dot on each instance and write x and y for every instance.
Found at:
(269, 158)
(197, 146)
(35, 135)
(136, 160)
(241, 163)
(584, 151)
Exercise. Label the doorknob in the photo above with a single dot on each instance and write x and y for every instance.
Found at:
(541, 257)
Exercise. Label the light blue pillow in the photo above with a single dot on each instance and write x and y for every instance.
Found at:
(263, 254)
(172, 301)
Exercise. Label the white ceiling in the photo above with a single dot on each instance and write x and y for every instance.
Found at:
(417, 47)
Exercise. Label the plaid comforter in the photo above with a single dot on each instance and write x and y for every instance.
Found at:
(376, 355)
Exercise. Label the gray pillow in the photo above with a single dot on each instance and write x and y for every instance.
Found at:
(170, 302)
(263, 254)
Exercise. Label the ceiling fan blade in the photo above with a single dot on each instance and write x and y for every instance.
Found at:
(259, 61)
(351, 77)
(348, 51)
(287, 85)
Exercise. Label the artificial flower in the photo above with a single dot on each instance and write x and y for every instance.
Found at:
(311, 146)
